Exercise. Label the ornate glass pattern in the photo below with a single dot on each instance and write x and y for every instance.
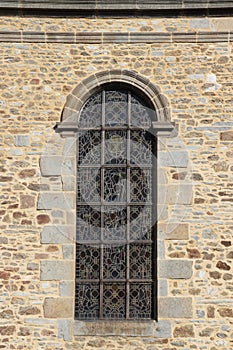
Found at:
(115, 147)
(114, 300)
(92, 112)
(114, 272)
(140, 181)
(140, 222)
(114, 262)
(89, 262)
(140, 300)
(88, 223)
(140, 113)
(115, 185)
(87, 301)
(116, 108)
(140, 261)
(88, 185)
(141, 148)
(89, 147)
(115, 223)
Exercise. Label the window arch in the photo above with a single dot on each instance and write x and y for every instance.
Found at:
(115, 250)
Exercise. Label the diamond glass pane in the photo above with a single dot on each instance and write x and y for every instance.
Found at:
(115, 147)
(89, 147)
(114, 262)
(141, 148)
(140, 299)
(140, 222)
(88, 257)
(88, 223)
(140, 261)
(115, 185)
(88, 185)
(140, 114)
(115, 223)
(114, 301)
(87, 301)
(140, 185)
(116, 108)
(91, 112)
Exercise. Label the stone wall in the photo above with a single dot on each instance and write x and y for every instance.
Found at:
(37, 178)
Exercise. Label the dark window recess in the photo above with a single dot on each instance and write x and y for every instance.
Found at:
(115, 224)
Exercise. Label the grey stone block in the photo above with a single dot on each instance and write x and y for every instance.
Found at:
(22, 140)
(160, 250)
(65, 329)
(68, 251)
(175, 307)
(56, 270)
(60, 37)
(175, 269)
(177, 159)
(58, 307)
(58, 234)
(182, 194)
(163, 329)
(57, 166)
(105, 328)
(68, 183)
(53, 200)
(162, 288)
(51, 165)
(66, 288)
(174, 231)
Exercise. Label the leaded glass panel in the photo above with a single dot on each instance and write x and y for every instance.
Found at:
(114, 271)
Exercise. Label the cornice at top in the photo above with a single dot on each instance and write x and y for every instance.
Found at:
(114, 7)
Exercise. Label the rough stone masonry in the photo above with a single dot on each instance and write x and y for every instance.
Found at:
(43, 60)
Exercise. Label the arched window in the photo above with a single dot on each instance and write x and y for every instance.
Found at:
(115, 250)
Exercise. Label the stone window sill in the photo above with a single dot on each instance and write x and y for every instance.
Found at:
(123, 328)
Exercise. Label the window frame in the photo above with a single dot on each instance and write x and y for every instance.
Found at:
(131, 90)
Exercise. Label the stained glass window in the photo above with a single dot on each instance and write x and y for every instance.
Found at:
(115, 223)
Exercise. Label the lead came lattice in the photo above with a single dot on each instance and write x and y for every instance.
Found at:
(114, 271)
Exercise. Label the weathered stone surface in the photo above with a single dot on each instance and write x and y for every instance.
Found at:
(22, 140)
(175, 269)
(66, 288)
(51, 165)
(27, 173)
(7, 330)
(123, 328)
(184, 331)
(225, 312)
(29, 310)
(177, 231)
(57, 165)
(6, 314)
(193, 253)
(42, 219)
(226, 136)
(163, 329)
(57, 270)
(175, 307)
(182, 194)
(177, 159)
(223, 266)
(26, 201)
(58, 234)
(65, 329)
(52, 200)
(58, 308)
